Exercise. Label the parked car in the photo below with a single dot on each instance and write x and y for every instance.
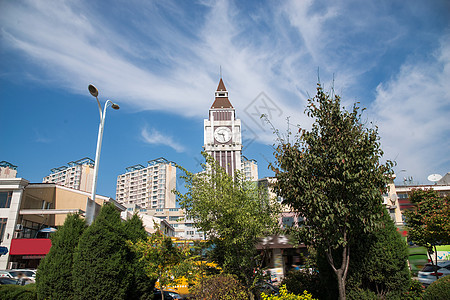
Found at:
(6, 273)
(428, 274)
(167, 295)
(267, 288)
(174, 295)
(6, 280)
(30, 273)
(26, 276)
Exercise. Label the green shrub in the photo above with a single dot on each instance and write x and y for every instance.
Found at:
(360, 294)
(220, 287)
(440, 289)
(101, 266)
(415, 292)
(18, 292)
(54, 274)
(285, 295)
(298, 281)
(380, 260)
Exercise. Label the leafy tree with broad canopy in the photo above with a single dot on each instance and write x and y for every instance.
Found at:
(162, 260)
(429, 222)
(332, 175)
(232, 213)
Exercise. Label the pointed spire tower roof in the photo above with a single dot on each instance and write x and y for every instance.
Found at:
(221, 100)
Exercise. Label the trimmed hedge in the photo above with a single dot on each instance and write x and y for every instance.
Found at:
(438, 290)
(18, 292)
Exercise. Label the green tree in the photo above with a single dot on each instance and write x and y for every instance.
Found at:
(429, 222)
(141, 286)
(332, 175)
(101, 267)
(232, 213)
(380, 260)
(54, 274)
(162, 260)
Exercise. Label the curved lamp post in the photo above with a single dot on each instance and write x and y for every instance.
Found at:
(90, 206)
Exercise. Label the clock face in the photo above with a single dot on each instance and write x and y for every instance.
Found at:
(222, 134)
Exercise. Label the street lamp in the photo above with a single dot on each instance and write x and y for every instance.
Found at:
(90, 206)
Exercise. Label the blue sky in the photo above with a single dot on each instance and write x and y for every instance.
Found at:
(160, 61)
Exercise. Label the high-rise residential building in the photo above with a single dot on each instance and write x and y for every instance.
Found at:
(249, 169)
(7, 170)
(77, 175)
(222, 134)
(149, 187)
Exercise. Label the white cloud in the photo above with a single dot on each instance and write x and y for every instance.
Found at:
(412, 110)
(154, 137)
(161, 56)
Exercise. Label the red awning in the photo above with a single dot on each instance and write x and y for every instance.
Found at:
(30, 246)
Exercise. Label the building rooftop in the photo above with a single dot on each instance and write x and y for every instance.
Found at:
(6, 164)
(221, 100)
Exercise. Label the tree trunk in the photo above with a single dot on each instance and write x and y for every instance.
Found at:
(341, 273)
(341, 285)
(435, 260)
(251, 295)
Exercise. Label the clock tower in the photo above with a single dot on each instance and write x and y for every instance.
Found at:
(222, 132)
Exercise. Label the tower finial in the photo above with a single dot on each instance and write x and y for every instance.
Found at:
(220, 71)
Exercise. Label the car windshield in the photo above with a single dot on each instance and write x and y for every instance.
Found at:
(24, 273)
(429, 268)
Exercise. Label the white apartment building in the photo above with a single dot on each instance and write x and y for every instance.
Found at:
(184, 228)
(7, 170)
(149, 187)
(249, 169)
(77, 175)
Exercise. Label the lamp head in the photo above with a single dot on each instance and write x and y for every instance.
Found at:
(93, 90)
(115, 106)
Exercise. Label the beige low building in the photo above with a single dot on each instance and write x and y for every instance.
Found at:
(391, 203)
(184, 228)
(28, 208)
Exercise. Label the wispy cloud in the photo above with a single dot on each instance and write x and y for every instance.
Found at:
(154, 137)
(40, 137)
(412, 110)
(166, 55)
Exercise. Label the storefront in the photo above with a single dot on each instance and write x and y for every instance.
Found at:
(27, 253)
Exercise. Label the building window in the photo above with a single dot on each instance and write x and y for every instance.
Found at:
(288, 221)
(2, 227)
(5, 199)
(173, 218)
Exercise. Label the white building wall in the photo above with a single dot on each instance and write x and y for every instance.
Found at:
(16, 186)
